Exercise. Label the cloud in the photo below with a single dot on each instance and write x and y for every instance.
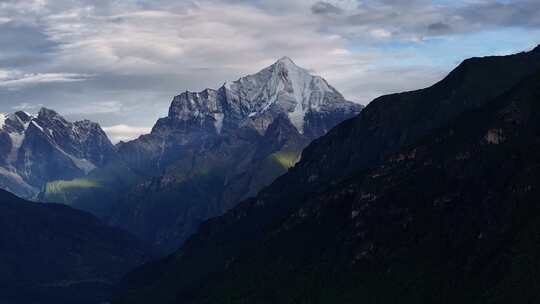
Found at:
(416, 20)
(325, 8)
(439, 28)
(26, 106)
(15, 80)
(122, 132)
(94, 107)
(380, 33)
(195, 40)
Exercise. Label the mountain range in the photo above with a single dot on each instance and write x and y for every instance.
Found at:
(51, 253)
(35, 150)
(427, 196)
(275, 189)
(215, 148)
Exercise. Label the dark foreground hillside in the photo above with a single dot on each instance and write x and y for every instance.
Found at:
(426, 197)
(54, 254)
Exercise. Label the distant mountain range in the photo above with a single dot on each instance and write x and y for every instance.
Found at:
(53, 254)
(215, 148)
(38, 149)
(428, 196)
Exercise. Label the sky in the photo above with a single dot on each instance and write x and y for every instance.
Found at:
(120, 62)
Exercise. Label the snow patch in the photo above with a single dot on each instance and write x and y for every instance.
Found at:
(37, 126)
(300, 80)
(17, 140)
(82, 163)
(218, 124)
(3, 118)
(297, 117)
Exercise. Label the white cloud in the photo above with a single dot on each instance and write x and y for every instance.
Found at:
(94, 107)
(17, 80)
(123, 132)
(27, 106)
(381, 33)
(4, 75)
(210, 35)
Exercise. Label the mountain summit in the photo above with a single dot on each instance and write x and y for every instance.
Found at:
(280, 89)
(286, 88)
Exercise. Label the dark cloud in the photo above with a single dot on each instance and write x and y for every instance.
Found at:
(439, 28)
(23, 45)
(324, 8)
(523, 13)
(409, 19)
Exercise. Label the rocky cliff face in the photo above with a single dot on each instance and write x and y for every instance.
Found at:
(436, 204)
(38, 149)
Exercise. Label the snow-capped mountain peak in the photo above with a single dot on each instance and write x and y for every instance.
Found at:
(282, 88)
(32, 148)
(286, 59)
(15, 122)
(286, 88)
